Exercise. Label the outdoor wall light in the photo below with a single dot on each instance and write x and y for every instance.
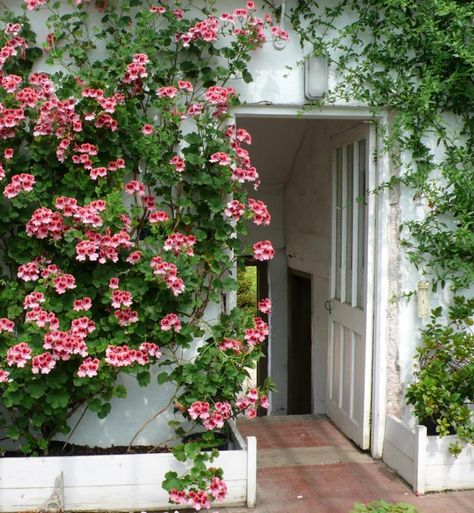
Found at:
(315, 77)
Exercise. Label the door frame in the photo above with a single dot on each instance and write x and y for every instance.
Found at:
(380, 171)
(307, 276)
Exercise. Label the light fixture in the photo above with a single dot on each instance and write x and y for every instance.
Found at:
(315, 77)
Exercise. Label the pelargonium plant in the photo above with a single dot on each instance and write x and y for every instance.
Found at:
(124, 194)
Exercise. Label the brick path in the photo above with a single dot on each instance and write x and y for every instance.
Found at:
(305, 465)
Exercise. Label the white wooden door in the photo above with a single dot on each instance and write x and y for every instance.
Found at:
(350, 340)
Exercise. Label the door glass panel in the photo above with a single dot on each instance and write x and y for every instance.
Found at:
(338, 222)
(348, 214)
(362, 202)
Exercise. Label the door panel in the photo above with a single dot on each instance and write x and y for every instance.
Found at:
(349, 366)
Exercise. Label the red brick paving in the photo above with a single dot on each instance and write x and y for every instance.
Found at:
(330, 488)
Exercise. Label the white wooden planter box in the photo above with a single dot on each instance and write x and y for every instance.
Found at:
(125, 482)
(424, 461)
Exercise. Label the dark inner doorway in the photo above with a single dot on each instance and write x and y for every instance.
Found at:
(299, 343)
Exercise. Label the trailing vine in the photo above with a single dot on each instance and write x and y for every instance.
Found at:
(414, 59)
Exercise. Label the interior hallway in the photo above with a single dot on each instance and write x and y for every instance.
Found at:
(305, 465)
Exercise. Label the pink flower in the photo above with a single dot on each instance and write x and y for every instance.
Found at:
(199, 410)
(19, 354)
(6, 325)
(43, 363)
(88, 368)
(4, 376)
(33, 4)
(185, 86)
(167, 92)
(199, 500)
(151, 348)
(264, 402)
(218, 488)
(220, 158)
(98, 172)
(251, 412)
(64, 282)
(170, 322)
(260, 212)
(147, 129)
(28, 271)
(158, 217)
(177, 496)
(265, 306)
(149, 202)
(114, 283)
(33, 300)
(252, 395)
(8, 154)
(179, 243)
(134, 257)
(263, 250)
(135, 187)
(83, 304)
(121, 297)
(178, 164)
(234, 210)
(229, 343)
(126, 317)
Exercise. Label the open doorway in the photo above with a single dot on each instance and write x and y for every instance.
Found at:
(252, 280)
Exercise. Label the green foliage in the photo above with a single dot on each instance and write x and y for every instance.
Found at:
(383, 507)
(444, 374)
(247, 291)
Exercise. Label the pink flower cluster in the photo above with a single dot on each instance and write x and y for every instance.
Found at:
(257, 334)
(234, 210)
(45, 223)
(43, 363)
(171, 322)
(64, 282)
(212, 418)
(197, 499)
(102, 248)
(263, 250)
(179, 243)
(83, 304)
(230, 343)
(218, 488)
(19, 183)
(251, 401)
(33, 4)
(158, 217)
(169, 273)
(126, 316)
(88, 367)
(220, 158)
(265, 306)
(6, 325)
(4, 376)
(33, 300)
(123, 356)
(137, 69)
(42, 318)
(64, 344)
(121, 297)
(260, 212)
(178, 163)
(19, 354)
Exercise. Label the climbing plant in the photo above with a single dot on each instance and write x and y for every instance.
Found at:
(123, 191)
(415, 60)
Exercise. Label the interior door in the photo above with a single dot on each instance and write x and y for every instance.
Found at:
(350, 342)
